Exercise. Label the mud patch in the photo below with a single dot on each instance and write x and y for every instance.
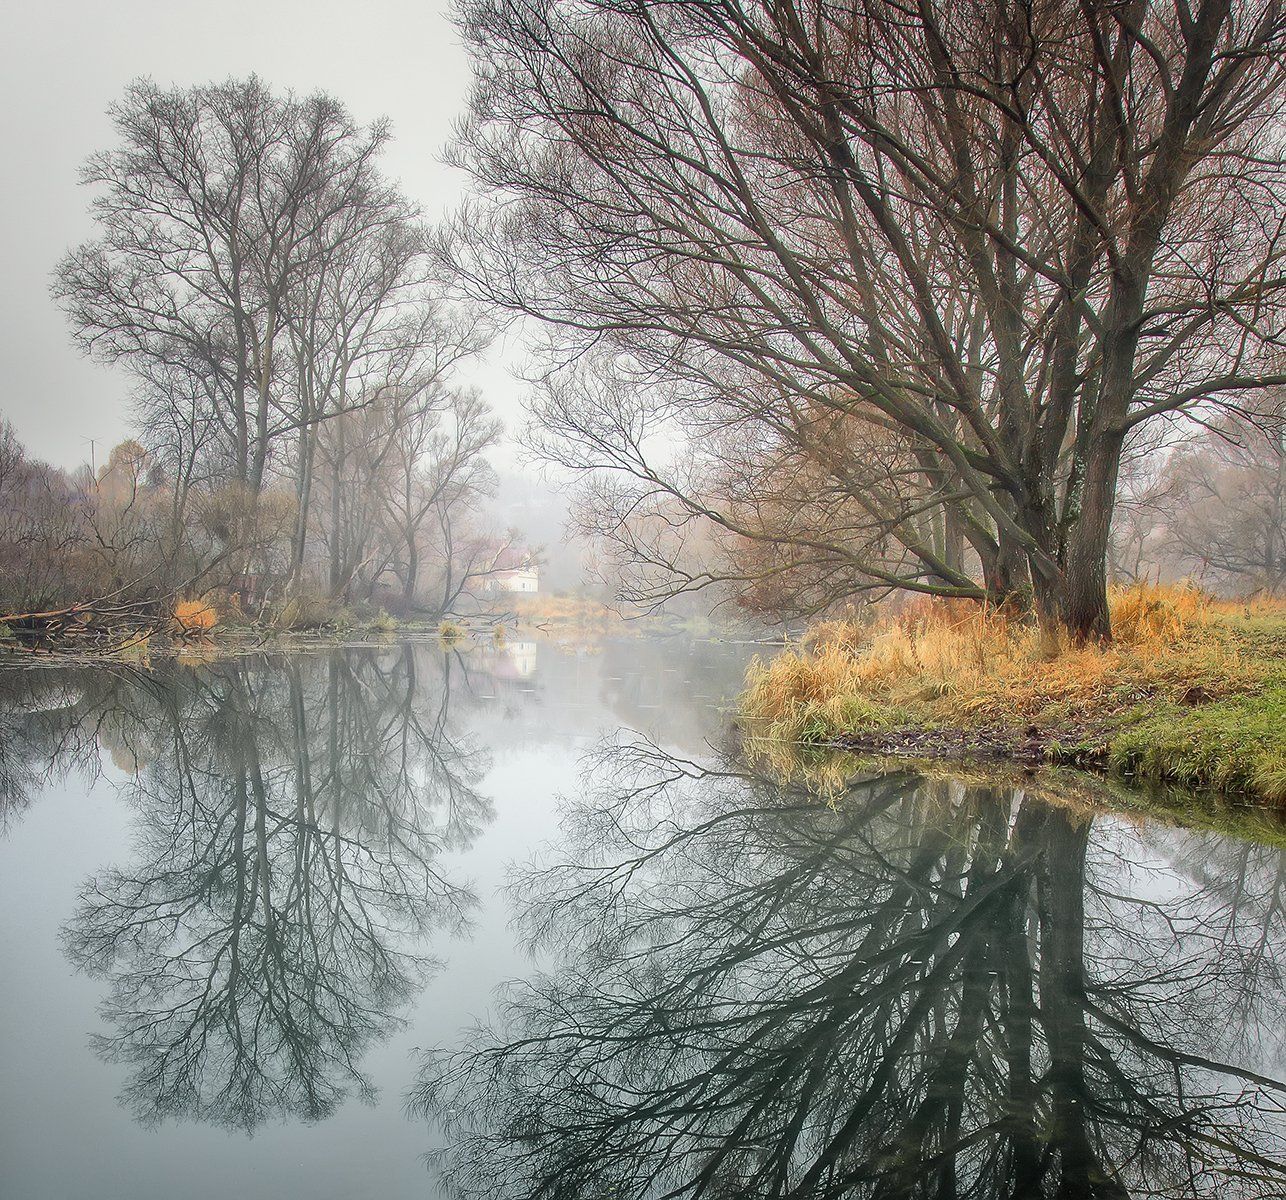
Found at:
(1030, 746)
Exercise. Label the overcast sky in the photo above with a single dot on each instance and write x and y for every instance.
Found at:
(67, 60)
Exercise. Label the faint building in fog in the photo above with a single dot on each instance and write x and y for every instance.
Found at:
(514, 570)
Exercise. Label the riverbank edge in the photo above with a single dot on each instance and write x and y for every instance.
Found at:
(1170, 744)
(1205, 711)
(829, 769)
(1129, 755)
(559, 618)
(450, 634)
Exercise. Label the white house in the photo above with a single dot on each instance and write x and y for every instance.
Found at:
(513, 571)
(517, 579)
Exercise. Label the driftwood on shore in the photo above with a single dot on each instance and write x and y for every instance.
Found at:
(103, 623)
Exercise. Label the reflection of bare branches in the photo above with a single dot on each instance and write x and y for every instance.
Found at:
(928, 991)
(55, 722)
(262, 940)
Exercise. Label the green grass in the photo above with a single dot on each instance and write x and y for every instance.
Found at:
(1203, 707)
(1233, 745)
(851, 713)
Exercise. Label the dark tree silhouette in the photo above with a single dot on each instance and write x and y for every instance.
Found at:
(268, 930)
(865, 283)
(926, 990)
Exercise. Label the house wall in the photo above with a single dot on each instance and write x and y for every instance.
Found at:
(525, 580)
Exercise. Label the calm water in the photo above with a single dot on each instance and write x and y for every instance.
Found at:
(395, 922)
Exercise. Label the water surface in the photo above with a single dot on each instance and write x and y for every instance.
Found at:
(285, 926)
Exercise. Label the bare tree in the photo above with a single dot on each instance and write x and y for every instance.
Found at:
(218, 203)
(266, 285)
(1007, 234)
(1227, 516)
(363, 328)
(390, 464)
(436, 468)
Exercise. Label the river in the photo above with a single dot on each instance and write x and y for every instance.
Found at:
(522, 920)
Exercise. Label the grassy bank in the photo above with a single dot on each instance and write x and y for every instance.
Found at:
(1193, 691)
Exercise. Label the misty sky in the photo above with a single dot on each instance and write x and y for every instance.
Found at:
(67, 60)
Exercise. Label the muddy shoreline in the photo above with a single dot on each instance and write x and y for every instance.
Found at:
(1031, 747)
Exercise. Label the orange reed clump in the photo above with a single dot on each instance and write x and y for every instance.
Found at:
(195, 616)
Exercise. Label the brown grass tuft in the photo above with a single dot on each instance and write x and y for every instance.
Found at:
(1156, 614)
(195, 616)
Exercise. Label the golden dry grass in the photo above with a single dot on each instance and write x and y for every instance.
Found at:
(1181, 667)
(969, 660)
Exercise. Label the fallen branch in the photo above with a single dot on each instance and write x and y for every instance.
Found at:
(103, 623)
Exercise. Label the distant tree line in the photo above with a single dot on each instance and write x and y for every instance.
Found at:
(272, 296)
(1210, 506)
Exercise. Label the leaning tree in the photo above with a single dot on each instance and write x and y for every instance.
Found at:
(1003, 234)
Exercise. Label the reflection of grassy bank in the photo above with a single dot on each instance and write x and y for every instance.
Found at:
(1192, 692)
(830, 771)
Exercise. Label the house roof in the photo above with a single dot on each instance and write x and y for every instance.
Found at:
(513, 558)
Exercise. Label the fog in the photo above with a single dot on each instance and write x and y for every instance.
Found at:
(67, 62)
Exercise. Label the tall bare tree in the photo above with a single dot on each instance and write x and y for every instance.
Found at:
(265, 284)
(1009, 233)
(218, 203)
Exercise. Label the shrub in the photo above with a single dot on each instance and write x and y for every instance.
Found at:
(307, 609)
(195, 617)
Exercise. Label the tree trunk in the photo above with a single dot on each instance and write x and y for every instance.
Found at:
(1062, 1003)
(303, 496)
(412, 570)
(953, 540)
(1006, 576)
(337, 538)
(259, 459)
(1074, 600)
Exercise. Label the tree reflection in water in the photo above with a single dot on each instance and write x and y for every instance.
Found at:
(288, 825)
(52, 724)
(928, 990)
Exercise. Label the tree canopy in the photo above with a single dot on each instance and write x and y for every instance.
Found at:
(964, 249)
